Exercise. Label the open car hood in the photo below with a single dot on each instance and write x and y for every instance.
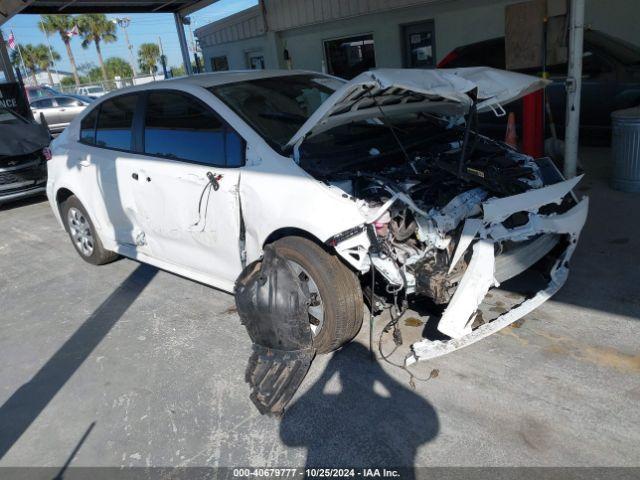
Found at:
(442, 92)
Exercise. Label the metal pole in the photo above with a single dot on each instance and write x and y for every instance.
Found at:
(5, 61)
(20, 54)
(124, 24)
(53, 62)
(574, 88)
(182, 38)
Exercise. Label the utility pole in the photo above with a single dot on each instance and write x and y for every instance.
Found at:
(163, 59)
(574, 88)
(53, 62)
(124, 22)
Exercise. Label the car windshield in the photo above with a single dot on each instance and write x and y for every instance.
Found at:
(8, 118)
(624, 52)
(277, 107)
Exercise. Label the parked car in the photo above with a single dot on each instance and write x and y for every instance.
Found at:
(198, 175)
(58, 111)
(93, 91)
(611, 81)
(34, 93)
(23, 151)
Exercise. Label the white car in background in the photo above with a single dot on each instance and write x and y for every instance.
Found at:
(197, 175)
(93, 91)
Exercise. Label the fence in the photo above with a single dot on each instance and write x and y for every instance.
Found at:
(102, 87)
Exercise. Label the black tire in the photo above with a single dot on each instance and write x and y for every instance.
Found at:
(99, 255)
(339, 290)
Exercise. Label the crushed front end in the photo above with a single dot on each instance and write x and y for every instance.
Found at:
(450, 230)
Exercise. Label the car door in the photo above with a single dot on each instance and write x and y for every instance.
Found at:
(48, 108)
(68, 108)
(106, 164)
(185, 187)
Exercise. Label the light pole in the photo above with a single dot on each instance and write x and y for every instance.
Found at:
(124, 22)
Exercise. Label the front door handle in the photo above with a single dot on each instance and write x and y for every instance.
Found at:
(134, 176)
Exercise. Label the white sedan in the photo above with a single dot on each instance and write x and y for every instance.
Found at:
(381, 178)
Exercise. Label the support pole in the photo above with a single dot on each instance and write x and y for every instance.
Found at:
(182, 38)
(5, 62)
(574, 88)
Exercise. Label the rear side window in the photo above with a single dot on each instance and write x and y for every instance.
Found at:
(177, 126)
(88, 128)
(46, 103)
(114, 122)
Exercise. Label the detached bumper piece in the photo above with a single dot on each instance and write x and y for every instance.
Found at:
(481, 275)
(273, 306)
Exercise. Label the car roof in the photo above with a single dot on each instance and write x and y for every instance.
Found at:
(207, 80)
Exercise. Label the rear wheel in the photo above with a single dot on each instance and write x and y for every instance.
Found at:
(336, 310)
(83, 233)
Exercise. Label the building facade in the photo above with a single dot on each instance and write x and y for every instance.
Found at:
(345, 37)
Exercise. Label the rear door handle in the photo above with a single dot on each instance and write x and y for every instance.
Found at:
(134, 176)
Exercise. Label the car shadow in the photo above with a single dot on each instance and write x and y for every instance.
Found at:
(28, 402)
(23, 202)
(371, 421)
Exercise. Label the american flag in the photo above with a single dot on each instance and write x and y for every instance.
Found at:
(73, 32)
(12, 41)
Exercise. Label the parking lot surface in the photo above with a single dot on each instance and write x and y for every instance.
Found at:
(126, 365)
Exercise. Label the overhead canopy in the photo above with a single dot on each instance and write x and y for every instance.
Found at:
(9, 8)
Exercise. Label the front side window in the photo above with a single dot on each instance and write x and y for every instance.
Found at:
(114, 122)
(277, 107)
(66, 102)
(177, 126)
(88, 128)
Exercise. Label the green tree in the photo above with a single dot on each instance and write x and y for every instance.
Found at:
(97, 28)
(46, 59)
(32, 56)
(118, 67)
(148, 56)
(67, 81)
(94, 75)
(61, 24)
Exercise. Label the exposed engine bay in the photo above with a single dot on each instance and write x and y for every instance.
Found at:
(426, 202)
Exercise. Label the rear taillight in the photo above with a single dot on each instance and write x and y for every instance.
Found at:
(46, 153)
(448, 59)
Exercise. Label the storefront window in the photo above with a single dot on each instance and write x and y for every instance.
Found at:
(347, 57)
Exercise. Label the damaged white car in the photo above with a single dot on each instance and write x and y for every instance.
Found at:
(379, 184)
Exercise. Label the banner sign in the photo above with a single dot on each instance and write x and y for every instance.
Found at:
(13, 99)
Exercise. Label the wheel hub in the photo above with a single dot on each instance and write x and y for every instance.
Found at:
(80, 231)
(316, 306)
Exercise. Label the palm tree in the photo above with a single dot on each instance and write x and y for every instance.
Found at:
(50, 24)
(96, 28)
(148, 56)
(46, 59)
(32, 56)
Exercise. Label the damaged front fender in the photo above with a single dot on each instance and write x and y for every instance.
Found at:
(273, 306)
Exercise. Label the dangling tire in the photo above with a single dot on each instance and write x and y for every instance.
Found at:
(336, 309)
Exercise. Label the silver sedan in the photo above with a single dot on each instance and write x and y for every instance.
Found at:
(59, 110)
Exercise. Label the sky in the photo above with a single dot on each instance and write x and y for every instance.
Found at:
(145, 27)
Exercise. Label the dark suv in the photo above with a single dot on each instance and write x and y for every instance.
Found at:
(611, 81)
(23, 154)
